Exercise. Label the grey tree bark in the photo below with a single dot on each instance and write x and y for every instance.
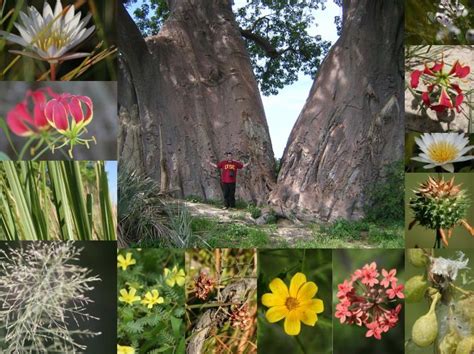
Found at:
(187, 96)
(352, 122)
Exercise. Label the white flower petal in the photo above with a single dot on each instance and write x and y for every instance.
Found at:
(448, 167)
(433, 165)
(58, 8)
(13, 38)
(420, 159)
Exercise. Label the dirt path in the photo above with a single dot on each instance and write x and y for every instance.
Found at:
(283, 232)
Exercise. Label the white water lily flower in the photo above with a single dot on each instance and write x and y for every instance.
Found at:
(52, 35)
(443, 149)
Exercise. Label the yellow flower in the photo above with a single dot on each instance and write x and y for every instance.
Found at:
(129, 296)
(121, 349)
(295, 305)
(174, 276)
(126, 261)
(152, 298)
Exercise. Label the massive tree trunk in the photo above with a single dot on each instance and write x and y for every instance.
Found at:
(352, 122)
(192, 93)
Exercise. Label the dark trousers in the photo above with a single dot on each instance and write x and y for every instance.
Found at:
(229, 194)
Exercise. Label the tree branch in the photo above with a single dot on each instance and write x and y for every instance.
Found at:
(262, 42)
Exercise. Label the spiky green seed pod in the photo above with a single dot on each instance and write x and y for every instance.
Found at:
(439, 212)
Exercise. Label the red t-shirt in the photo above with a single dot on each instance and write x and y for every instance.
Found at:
(229, 170)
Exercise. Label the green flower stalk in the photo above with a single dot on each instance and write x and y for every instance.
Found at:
(43, 298)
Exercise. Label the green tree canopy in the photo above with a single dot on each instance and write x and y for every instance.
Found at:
(276, 33)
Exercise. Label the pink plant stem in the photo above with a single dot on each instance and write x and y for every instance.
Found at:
(53, 71)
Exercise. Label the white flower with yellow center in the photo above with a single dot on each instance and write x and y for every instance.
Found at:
(50, 36)
(443, 149)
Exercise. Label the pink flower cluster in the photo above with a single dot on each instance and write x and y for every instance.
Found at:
(368, 298)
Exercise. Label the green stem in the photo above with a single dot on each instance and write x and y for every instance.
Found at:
(300, 344)
(25, 147)
(303, 262)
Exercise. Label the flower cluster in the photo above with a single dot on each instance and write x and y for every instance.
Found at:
(55, 119)
(451, 15)
(295, 304)
(44, 298)
(442, 92)
(203, 285)
(367, 299)
(443, 149)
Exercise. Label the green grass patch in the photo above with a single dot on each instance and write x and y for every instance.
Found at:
(229, 235)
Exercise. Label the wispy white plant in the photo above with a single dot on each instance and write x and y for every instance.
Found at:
(43, 298)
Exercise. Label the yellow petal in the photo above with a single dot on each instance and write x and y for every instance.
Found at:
(170, 282)
(160, 300)
(276, 313)
(120, 258)
(180, 281)
(296, 282)
(308, 317)
(270, 299)
(123, 292)
(166, 272)
(307, 291)
(279, 288)
(292, 323)
(132, 291)
(315, 305)
(155, 293)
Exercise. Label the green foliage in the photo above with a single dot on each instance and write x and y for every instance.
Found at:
(218, 235)
(275, 32)
(55, 201)
(385, 198)
(161, 328)
(254, 211)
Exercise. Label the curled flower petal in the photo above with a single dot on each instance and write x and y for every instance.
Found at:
(415, 78)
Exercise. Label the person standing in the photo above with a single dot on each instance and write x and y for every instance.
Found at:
(229, 168)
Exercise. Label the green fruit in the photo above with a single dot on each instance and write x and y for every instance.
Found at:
(467, 307)
(466, 346)
(415, 288)
(417, 257)
(425, 329)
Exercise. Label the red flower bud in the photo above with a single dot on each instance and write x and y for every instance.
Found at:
(27, 117)
(69, 112)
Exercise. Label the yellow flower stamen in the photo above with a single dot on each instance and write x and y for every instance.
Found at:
(292, 303)
(442, 151)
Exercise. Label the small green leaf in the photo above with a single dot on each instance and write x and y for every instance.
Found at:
(175, 324)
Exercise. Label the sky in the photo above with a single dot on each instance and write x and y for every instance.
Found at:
(283, 109)
(111, 169)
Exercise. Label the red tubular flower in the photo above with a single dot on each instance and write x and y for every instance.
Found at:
(415, 78)
(441, 93)
(69, 113)
(27, 117)
(365, 300)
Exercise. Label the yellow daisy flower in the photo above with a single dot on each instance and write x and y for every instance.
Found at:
(295, 305)
(126, 261)
(174, 276)
(122, 349)
(129, 296)
(152, 298)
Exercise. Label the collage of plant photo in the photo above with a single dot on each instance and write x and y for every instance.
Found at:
(236, 176)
